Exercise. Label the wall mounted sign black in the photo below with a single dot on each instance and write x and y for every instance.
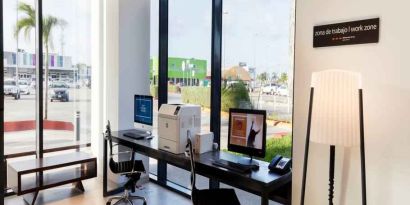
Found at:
(347, 33)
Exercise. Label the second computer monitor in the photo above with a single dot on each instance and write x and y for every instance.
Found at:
(143, 112)
(247, 132)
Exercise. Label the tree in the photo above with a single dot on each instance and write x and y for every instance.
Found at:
(283, 79)
(27, 23)
(263, 77)
(274, 77)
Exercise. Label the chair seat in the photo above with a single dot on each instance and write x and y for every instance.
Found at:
(216, 197)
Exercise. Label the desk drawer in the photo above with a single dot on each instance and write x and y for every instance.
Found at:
(168, 145)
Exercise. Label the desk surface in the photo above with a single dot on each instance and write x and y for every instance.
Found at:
(259, 181)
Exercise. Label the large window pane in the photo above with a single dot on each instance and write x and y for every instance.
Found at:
(257, 70)
(19, 77)
(190, 29)
(257, 66)
(67, 72)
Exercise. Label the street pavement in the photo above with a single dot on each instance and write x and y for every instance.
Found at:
(24, 109)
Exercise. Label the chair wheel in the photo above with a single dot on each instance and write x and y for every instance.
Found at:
(108, 203)
(145, 203)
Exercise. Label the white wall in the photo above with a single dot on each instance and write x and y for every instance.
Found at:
(134, 56)
(386, 74)
(121, 47)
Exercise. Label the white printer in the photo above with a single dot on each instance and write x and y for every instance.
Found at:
(174, 120)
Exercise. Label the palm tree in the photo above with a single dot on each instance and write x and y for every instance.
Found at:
(27, 23)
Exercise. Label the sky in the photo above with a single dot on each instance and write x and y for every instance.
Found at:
(256, 32)
(76, 35)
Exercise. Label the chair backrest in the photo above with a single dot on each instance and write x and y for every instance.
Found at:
(108, 136)
(190, 152)
(122, 166)
(192, 162)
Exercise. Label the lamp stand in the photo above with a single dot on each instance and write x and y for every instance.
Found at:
(331, 174)
(332, 155)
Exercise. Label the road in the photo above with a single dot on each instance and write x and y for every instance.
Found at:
(24, 109)
(80, 100)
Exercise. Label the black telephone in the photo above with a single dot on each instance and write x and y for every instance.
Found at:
(280, 165)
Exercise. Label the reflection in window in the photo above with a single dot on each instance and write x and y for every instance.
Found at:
(19, 77)
(257, 66)
(67, 72)
(190, 29)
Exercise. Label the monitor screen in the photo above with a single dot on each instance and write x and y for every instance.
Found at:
(247, 131)
(143, 106)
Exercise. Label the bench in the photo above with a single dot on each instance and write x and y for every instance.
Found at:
(29, 177)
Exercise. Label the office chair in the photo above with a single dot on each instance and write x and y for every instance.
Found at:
(208, 196)
(132, 169)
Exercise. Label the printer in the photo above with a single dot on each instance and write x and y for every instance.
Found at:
(174, 120)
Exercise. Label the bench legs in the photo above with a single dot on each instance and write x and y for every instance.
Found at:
(30, 198)
(79, 185)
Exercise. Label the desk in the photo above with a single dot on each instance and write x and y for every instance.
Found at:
(260, 182)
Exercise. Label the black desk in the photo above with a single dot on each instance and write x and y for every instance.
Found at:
(261, 182)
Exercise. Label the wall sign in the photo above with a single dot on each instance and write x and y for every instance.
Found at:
(347, 33)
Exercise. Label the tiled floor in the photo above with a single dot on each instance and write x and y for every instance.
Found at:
(155, 195)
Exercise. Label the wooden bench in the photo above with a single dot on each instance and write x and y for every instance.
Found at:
(29, 177)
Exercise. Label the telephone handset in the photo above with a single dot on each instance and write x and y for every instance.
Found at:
(280, 165)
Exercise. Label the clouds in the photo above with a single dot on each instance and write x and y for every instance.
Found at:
(254, 31)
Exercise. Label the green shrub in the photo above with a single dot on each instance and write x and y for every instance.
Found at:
(235, 96)
(281, 146)
(197, 95)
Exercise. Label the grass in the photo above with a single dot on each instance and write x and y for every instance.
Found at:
(274, 146)
(281, 146)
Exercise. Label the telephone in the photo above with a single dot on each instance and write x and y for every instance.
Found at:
(280, 165)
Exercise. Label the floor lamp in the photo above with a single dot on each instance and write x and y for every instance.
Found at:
(335, 119)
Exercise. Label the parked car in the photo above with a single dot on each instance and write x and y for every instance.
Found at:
(282, 91)
(269, 88)
(25, 87)
(73, 84)
(11, 88)
(59, 91)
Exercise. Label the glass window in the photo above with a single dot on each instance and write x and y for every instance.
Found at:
(67, 72)
(189, 42)
(19, 77)
(257, 66)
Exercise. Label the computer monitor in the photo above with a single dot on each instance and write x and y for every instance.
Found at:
(247, 133)
(143, 113)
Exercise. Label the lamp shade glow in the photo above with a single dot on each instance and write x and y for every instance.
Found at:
(335, 112)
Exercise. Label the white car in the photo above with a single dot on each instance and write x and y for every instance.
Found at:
(282, 91)
(24, 87)
(269, 88)
(11, 88)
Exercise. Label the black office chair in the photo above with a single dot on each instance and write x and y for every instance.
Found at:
(132, 169)
(209, 196)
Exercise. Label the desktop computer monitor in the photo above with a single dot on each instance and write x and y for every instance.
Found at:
(247, 133)
(143, 113)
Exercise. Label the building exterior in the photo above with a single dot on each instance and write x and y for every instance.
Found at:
(60, 67)
(187, 71)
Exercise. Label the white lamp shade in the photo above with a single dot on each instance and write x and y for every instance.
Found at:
(335, 116)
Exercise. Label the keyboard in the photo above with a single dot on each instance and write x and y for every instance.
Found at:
(233, 166)
(137, 136)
